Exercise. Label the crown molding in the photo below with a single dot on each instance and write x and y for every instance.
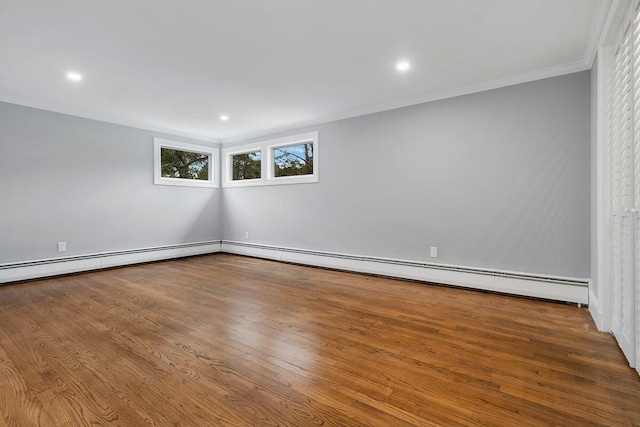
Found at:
(106, 118)
(527, 77)
(600, 23)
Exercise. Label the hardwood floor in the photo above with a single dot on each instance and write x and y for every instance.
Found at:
(228, 340)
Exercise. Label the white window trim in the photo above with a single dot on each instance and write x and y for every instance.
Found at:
(228, 170)
(268, 174)
(285, 142)
(158, 179)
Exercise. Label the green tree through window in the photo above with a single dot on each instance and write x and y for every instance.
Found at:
(293, 160)
(246, 165)
(184, 164)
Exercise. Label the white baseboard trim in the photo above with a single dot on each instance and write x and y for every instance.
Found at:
(596, 312)
(13, 272)
(575, 290)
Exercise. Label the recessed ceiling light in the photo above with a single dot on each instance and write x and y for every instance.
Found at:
(403, 66)
(224, 118)
(75, 77)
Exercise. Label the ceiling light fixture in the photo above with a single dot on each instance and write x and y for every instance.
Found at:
(74, 77)
(224, 118)
(403, 66)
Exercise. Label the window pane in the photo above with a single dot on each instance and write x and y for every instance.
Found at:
(246, 165)
(293, 160)
(184, 164)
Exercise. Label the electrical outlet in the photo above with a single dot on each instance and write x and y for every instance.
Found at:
(62, 246)
(434, 252)
(246, 235)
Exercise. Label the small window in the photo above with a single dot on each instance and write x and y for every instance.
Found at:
(178, 163)
(293, 160)
(288, 160)
(246, 166)
(184, 164)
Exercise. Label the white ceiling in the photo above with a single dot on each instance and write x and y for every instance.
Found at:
(176, 66)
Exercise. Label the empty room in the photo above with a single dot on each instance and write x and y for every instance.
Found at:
(306, 213)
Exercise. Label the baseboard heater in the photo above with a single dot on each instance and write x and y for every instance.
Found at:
(569, 289)
(11, 272)
(575, 290)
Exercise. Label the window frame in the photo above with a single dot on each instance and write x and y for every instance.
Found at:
(212, 152)
(267, 149)
(229, 181)
(293, 179)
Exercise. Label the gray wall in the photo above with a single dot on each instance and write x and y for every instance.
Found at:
(89, 183)
(498, 179)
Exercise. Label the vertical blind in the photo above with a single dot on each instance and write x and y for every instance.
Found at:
(623, 147)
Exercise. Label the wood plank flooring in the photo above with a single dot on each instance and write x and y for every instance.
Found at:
(235, 341)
